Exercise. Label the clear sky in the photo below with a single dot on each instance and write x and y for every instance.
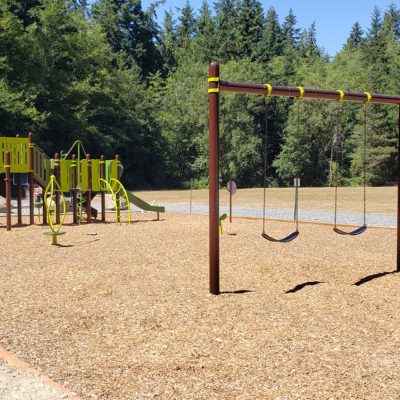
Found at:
(333, 18)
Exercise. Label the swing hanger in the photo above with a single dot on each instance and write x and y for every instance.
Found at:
(264, 234)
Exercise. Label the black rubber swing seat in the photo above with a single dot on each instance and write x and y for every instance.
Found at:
(356, 232)
(286, 239)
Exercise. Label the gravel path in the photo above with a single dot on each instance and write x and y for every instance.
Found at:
(285, 214)
(18, 384)
(378, 220)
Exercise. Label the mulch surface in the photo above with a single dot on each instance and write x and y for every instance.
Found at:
(126, 313)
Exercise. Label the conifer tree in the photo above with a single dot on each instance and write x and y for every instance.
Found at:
(186, 26)
(130, 30)
(227, 32)
(356, 36)
(250, 23)
(206, 40)
(273, 39)
(168, 42)
(290, 33)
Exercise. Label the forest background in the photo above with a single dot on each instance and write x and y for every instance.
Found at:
(110, 75)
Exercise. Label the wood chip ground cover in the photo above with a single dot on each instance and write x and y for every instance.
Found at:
(126, 314)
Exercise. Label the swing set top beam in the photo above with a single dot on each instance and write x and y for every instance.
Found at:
(306, 93)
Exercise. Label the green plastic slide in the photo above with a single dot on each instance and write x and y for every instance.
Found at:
(143, 204)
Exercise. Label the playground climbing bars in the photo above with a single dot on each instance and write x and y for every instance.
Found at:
(215, 87)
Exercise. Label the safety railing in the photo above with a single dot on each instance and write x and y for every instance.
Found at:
(19, 154)
(42, 166)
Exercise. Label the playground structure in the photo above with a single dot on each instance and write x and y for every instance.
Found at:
(82, 178)
(215, 87)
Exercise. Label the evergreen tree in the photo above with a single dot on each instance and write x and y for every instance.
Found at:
(381, 147)
(227, 31)
(306, 146)
(22, 9)
(250, 23)
(272, 42)
(206, 40)
(391, 22)
(130, 30)
(308, 47)
(290, 33)
(168, 42)
(186, 26)
(376, 25)
(356, 36)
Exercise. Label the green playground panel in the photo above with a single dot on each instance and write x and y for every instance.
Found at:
(66, 175)
(96, 175)
(42, 165)
(111, 170)
(83, 178)
(19, 154)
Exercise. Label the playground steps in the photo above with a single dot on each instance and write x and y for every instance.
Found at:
(83, 202)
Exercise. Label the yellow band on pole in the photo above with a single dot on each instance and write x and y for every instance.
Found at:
(213, 79)
(341, 96)
(7, 166)
(269, 90)
(213, 90)
(301, 95)
(369, 97)
(31, 145)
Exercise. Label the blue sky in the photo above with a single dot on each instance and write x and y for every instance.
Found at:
(333, 18)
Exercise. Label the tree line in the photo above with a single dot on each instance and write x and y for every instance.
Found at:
(114, 77)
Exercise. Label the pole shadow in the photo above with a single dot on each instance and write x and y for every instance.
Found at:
(369, 278)
(303, 285)
(242, 291)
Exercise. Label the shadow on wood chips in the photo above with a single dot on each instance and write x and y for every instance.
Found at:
(242, 291)
(374, 276)
(303, 285)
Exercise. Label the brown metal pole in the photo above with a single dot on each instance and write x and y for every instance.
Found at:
(57, 175)
(117, 195)
(74, 190)
(213, 171)
(89, 190)
(398, 196)
(31, 181)
(7, 181)
(103, 195)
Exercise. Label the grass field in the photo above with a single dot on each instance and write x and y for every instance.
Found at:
(380, 200)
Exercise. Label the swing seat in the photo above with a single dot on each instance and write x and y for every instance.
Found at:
(286, 239)
(356, 232)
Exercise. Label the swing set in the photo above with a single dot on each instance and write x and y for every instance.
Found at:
(215, 87)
